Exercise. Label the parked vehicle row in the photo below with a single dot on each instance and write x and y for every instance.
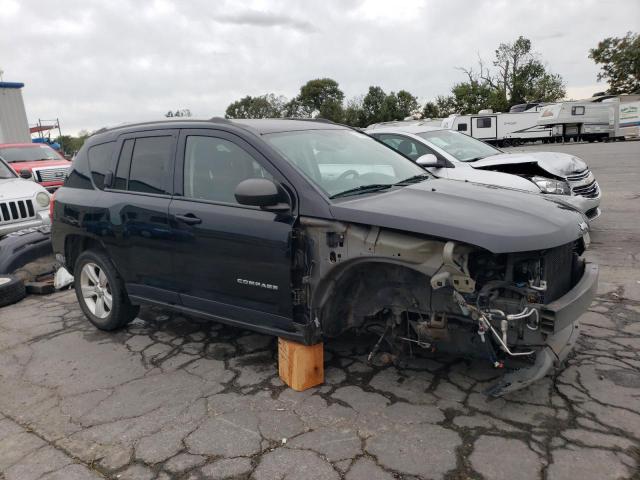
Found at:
(306, 229)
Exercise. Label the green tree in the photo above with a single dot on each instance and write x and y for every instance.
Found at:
(373, 106)
(181, 112)
(321, 97)
(518, 76)
(407, 104)
(620, 62)
(442, 107)
(354, 113)
(264, 106)
(71, 144)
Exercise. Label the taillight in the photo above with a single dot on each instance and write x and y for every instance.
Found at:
(53, 200)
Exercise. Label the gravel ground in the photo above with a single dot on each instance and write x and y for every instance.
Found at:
(172, 397)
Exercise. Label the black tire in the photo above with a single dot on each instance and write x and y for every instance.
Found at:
(122, 312)
(11, 290)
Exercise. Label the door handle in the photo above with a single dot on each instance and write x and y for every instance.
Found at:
(189, 219)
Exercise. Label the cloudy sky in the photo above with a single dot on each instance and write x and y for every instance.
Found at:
(95, 63)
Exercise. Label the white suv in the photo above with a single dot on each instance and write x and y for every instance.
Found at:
(23, 203)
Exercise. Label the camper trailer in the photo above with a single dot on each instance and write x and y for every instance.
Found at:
(590, 119)
(626, 122)
(14, 127)
(503, 129)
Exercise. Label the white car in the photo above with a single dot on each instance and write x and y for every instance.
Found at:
(453, 155)
(23, 203)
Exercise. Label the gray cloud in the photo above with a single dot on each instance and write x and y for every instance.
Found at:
(102, 63)
(265, 19)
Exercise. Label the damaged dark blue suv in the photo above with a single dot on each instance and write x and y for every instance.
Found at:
(305, 229)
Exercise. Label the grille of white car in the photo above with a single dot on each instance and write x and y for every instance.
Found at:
(51, 174)
(584, 184)
(16, 211)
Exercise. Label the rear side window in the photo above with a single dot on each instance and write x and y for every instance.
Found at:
(577, 110)
(100, 162)
(150, 165)
(462, 127)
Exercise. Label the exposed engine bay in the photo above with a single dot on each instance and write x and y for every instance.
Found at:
(418, 294)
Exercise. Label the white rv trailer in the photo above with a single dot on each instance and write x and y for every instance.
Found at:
(590, 119)
(626, 122)
(14, 127)
(501, 128)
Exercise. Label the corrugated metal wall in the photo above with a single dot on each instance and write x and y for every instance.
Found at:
(14, 127)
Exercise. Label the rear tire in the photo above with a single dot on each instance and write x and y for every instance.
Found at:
(12, 290)
(101, 293)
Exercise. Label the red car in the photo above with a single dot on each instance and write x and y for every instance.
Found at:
(37, 161)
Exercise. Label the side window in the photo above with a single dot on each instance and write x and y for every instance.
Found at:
(462, 127)
(124, 163)
(577, 110)
(483, 122)
(406, 146)
(213, 167)
(151, 165)
(100, 162)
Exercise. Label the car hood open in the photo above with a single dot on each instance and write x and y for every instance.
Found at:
(556, 163)
(497, 219)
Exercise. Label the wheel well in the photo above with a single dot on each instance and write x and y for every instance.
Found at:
(76, 244)
(365, 289)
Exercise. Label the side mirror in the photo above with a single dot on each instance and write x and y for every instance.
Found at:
(260, 192)
(25, 173)
(428, 160)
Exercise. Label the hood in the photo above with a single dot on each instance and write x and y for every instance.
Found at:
(16, 188)
(17, 166)
(489, 217)
(556, 163)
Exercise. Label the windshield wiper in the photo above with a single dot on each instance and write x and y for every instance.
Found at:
(415, 179)
(374, 187)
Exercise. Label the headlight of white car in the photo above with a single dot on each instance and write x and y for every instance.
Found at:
(42, 199)
(549, 185)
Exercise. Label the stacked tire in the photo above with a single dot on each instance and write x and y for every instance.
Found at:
(12, 290)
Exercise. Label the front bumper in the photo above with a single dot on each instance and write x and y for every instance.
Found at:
(590, 207)
(41, 219)
(559, 320)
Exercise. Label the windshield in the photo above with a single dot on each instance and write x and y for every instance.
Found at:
(6, 171)
(338, 161)
(29, 154)
(462, 147)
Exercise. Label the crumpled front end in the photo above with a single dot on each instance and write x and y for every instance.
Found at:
(525, 307)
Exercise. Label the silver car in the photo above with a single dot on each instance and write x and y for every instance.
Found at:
(453, 155)
(23, 203)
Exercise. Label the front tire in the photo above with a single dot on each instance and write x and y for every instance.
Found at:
(101, 293)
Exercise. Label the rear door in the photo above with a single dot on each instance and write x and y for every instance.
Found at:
(141, 191)
(232, 261)
(484, 127)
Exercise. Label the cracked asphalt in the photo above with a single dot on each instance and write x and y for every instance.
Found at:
(176, 397)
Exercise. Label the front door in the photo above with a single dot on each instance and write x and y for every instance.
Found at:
(232, 261)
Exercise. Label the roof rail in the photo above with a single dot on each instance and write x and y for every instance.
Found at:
(220, 120)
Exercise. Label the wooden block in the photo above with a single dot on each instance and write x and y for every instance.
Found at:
(300, 366)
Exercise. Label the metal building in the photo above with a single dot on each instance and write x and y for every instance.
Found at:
(14, 127)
